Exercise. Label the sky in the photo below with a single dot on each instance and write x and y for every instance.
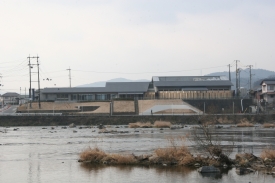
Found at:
(134, 39)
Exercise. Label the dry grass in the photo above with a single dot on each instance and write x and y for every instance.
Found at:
(268, 153)
(123, 159)
(92, 155)
(268, 125)
(95, 155)
(177, 152)
(245, 124)
(140, 125)
(162, 124)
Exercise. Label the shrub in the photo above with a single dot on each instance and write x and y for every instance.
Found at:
(123, 159)
(92, 155)
(176, 153)
(245, 124)
(268, 125)
(268, 153)
(95, 155)
(162, 124)
(140, 125)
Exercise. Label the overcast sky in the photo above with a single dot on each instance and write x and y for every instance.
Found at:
(134, 39)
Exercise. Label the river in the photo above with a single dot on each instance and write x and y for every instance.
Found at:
(43, 154)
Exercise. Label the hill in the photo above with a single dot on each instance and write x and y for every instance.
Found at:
(102, 83)
(257, 76)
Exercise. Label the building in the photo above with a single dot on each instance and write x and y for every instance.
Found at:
(160, 87)
(268, 90)
(10, 98)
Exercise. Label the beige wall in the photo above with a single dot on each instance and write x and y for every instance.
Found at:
(195, 94)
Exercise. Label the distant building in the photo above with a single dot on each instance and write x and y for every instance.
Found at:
(268, 90)
(160, 87)
(10, 98)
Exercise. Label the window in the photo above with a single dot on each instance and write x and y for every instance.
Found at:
(62, 96)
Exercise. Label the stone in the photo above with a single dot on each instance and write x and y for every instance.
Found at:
(208, 169)
(243, 171)
(197, 165)
(72, 125)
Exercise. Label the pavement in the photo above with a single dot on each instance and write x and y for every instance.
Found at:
(158, 108)
(9, 109)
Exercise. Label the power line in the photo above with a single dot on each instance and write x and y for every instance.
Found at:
(146, 72)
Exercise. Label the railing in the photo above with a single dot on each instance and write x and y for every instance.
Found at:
(30, 114)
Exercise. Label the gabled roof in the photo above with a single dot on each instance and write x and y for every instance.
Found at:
(268, 81)
(111, 87)
(10, 94)
(74, 90)
(125, 87)
(190, 81)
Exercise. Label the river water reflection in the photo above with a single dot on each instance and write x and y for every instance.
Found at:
(34, 154)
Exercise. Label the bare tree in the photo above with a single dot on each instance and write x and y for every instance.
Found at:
(207, 140)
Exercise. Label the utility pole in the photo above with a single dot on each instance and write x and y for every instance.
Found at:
(30, 89)
(229, 73)
(237, 93)
(39, 104)
(70, 76)
(250, 76)
(239, 73)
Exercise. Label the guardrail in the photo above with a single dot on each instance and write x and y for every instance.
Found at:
(30, 114)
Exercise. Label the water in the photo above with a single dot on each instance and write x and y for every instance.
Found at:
(33, 154)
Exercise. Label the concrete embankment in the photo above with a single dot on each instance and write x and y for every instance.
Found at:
(125, 120)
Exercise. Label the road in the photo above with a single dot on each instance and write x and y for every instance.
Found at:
(10, 109)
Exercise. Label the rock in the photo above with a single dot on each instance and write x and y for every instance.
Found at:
(143, 157)
(101, 126)
(242, 171)
(154, 159)
(273, 169)
(208, 169)
(197, 165)
(72, 125)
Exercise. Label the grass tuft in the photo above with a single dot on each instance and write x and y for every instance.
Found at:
(140, 125)
(268, 125)
(268, 153)
(162, 124)
(245, 124)
(95, 155)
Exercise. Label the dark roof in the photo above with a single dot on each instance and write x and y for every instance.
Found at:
(10, 94)
(268, 81)
(111, 87)
(193, 83)
(188, 78)
(74, 90)
(194, 89)
(134, 87)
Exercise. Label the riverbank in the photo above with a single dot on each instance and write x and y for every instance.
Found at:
(125, 120)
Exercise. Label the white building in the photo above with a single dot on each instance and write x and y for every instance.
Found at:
(268, 90)
(9, 98)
